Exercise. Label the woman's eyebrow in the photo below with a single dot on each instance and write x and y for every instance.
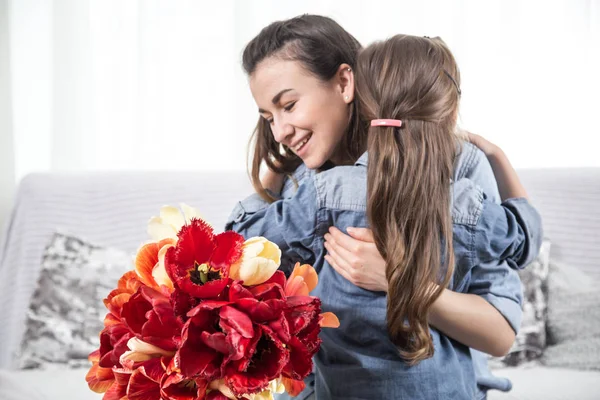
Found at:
(275, 99)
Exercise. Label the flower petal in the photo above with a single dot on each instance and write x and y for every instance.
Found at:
(201, 361)
(329, 320)
(216, 341)
(259, 261)
(216, 395)
(94, 356)
(257, 270)
(154, 369)
(220, 386)
(194, 357)
(116, 392)
(139, 346)
(253, 376)
(159, 230)
(238, 320)
(300, 361)
(261, 311)
(228, 251)
(190, 212)
(159, 273)
(142, 387)
(210, 290)
(296, 286)
(293, 387)
(146, 260)
(307, 273)
(122, 376)
(173, 217)
(178, 387)
(99, 379)
(195, 245)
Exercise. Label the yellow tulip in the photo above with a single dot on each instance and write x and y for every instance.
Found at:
(260, 259)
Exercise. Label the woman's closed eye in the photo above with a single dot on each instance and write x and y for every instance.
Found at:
(288, 107)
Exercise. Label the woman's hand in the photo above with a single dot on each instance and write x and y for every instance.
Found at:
(509, 184)
(488, 148)
(356, 258)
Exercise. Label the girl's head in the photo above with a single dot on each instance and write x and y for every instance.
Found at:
(301, 77)
(415, 80)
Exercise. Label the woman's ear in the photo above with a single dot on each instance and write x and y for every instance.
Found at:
(345, 81)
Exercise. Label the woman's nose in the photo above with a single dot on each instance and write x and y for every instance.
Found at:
(282, 131)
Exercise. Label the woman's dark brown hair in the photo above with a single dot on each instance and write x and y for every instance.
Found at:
(321, 45)
(416, 80)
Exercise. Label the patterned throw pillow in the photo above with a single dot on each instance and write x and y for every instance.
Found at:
(66, 311)
(531, 339)
(573, 319)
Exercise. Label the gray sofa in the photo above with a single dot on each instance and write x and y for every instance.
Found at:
(111, 209)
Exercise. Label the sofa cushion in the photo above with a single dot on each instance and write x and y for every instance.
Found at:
(107, 208)
(542, 383)
(66, 311)
(573, 319)
(531, 339)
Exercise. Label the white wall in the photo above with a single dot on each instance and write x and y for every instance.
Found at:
(7, 173)
(107, 84)
(530, 69)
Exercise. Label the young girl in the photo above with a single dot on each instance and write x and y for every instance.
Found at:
(365, 358)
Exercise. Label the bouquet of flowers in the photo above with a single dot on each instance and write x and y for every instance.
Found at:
(206, 316)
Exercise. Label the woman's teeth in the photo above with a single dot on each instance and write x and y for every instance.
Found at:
(301, 144)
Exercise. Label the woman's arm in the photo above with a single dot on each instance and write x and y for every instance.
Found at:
(290, 223)
(514, 199)
(509, 184)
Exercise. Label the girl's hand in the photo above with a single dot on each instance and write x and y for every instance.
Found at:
(356, 258)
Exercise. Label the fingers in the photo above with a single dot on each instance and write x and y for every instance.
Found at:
(473, 138)
(333, 252)
(344, 240)
(336, 266)
(364, 234)
(345, 258)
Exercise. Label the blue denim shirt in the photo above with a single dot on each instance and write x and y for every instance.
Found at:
(358, 360)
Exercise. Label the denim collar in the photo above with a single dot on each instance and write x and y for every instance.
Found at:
(363, 160)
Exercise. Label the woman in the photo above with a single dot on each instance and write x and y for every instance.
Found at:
(328, 52)
(282, 105)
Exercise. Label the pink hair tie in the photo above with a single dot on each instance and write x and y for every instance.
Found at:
(386, 122)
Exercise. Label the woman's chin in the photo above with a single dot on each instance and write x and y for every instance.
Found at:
(313, 162)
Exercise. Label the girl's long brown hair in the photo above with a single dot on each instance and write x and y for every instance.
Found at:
(415, 80)
(321, 45)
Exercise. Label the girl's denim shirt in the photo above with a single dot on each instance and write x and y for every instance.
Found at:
(358, 360)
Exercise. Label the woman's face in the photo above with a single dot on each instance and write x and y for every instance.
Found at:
(305, 114)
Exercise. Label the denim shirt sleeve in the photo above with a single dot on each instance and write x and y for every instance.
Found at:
(510, 231)
(290, 223)
(488, 231)
(500, 285)
(254, 202)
